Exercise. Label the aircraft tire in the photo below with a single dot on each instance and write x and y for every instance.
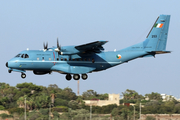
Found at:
(84, 76)
(76, 76)
(68, 77)
(23, 75)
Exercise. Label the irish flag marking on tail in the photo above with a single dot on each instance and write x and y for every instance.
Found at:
(158, 25)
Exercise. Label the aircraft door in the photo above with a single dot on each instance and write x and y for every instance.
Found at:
(100, 62)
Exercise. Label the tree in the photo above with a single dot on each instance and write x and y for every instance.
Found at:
(89, 94)
(20, 102)
(79, 114)
(151, 107)
(42, 101)
(60, 102)
(31, 103)
(53, 95)
(131, 96)
(2, 107)
(73, 104)
(125, 112)
(115, 112)
(154, 96)
(55, 114)
(66, 94)
(3, 87)
(177, 108)
(4, 115)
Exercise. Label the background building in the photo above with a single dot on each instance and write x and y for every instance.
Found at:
(112, 99)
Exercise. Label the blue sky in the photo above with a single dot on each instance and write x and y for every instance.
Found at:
(27, 24)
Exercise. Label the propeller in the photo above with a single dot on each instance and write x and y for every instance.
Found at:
(45, 46)
(58, 47)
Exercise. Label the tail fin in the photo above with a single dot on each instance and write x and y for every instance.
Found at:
(157, 38)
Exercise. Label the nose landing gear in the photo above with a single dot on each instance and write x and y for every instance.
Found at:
(9, 71)
(23, 75)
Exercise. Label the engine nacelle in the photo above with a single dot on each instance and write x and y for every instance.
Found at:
(41, 72)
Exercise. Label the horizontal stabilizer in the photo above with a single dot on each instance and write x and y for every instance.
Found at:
(159, 52)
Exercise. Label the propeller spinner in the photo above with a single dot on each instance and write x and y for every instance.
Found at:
(58, 49)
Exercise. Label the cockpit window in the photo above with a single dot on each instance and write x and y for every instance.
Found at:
(18, 55)
(22, 56)
(26, 56)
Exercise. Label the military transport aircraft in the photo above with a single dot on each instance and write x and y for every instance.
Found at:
(82, 59)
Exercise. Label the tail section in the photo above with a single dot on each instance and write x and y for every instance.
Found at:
(157, 38)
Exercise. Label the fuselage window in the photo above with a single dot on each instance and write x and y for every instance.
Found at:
(22, 56)
(65, 59)
(85, 59)
(49, 59)
(77, 59)
(37, 58)
(57, 59)
(61, 59)
(89, 59)
(42, 58)
(69, 59)
(26, 56)
(93, 60)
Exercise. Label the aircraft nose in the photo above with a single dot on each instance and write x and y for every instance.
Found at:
(6, 64)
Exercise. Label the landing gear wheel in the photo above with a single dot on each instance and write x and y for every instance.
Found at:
(9, 71)
(84, 76)
(23, 75)
(68, 77)
(76, 76)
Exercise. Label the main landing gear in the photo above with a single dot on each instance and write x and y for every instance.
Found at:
(84, 76)
(76, 77)
(68, 77)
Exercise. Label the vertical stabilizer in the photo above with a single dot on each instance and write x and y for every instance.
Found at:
(157, 38)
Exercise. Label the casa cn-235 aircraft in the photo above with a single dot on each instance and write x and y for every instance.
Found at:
(74, 61)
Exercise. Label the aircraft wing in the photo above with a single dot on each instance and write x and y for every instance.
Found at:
(91, 47)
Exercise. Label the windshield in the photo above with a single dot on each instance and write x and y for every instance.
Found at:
(18, 55)
(22, 55)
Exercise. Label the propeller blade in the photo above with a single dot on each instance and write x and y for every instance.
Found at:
(59, 47)
(45, 45)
